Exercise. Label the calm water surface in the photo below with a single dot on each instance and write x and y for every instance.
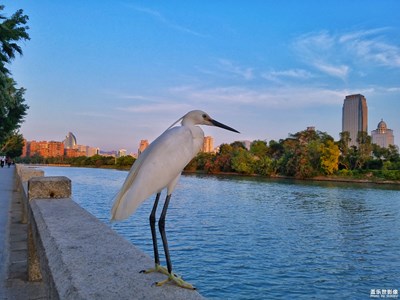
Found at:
(241, 238)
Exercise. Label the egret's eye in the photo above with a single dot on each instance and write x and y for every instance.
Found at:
(204, 116)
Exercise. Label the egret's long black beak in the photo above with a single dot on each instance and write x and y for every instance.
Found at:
(218, 124)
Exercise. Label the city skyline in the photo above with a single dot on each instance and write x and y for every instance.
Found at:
(116, 73)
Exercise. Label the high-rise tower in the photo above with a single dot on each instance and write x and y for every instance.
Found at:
(355, 116)
(70, 141)
(142, 146)
(208, 144)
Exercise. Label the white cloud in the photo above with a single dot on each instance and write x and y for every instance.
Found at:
(154, 108)
(336, 71)
(335, 54)
(248, 98)
(230, 67)
(318, 50)
(161, 18)
(285, 74)
(379, 52)
(357, 35)
(394, 89)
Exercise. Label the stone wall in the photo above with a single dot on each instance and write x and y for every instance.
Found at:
(76, 255)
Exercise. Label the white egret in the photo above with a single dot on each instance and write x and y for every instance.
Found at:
(159, 167)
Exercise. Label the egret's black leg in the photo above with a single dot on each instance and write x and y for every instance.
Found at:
(153, 229)
(161, 226)
(171, 276)
(152, 219)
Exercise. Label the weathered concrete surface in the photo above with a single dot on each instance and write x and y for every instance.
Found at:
(87, 260)
(13, 243)
(23, 174)
(50, 187)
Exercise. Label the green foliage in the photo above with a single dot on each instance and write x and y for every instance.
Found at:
(304, 154)
(259, 148)
(13, 146)
(125, 161)
(96, 161)
(12, 30)
(329, 157)
(12, 106)
(243, 162)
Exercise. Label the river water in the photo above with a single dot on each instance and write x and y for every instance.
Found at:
(246, 238)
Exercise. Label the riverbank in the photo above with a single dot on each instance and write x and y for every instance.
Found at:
(369, 178)
(317, 178)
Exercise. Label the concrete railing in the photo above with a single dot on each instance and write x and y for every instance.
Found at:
(76, 255)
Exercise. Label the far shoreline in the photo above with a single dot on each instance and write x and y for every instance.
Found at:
(317, 178)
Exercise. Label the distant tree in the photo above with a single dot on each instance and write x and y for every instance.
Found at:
(223, 159)
(225, 149)
(12, 106)
(125, 161)
(238, 145)
(275, 149)
(259, 148)
(393, 155)
(13, 146)
(364, 149)
(307, 153)
(243, 161)
(201, 162)
(329, 157)
(265, 166)
(343, 144)
(12, 30)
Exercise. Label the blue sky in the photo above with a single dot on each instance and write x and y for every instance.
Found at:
(116, 72)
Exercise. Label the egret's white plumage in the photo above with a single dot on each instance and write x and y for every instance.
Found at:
(161, 164)
(159, 167)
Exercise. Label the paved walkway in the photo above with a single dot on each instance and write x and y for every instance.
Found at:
(13, 244)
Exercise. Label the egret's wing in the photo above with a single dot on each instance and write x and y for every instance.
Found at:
(158, 166)
(127, 183)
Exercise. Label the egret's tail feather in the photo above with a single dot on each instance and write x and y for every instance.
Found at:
(118, 207)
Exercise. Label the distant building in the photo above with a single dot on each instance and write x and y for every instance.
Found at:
(354, 116)
(142, 146)
(46, 149)
(70, 141)
(112, 153)
(121, 152)
(55, 149)
(91, 151)
(73, 152)
(382, 136)
(208, 144)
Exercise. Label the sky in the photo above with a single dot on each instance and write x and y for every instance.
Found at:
(115, 72)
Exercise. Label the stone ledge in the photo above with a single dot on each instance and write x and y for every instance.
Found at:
(80, 257)
(87, 260)
(50, 187)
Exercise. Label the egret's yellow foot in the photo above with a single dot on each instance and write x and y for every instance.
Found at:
(157, 268)
(178, 281)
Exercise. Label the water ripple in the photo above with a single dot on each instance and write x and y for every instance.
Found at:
(236, 238)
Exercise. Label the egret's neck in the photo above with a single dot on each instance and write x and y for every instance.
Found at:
(187, 122)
